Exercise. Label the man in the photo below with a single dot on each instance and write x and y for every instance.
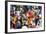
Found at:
(14, 21)
(30, 16)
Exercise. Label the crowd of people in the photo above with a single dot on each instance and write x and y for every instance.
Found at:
(29, 16)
